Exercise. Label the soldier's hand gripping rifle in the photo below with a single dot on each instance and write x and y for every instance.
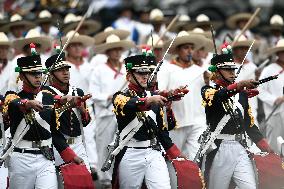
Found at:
(111, 147)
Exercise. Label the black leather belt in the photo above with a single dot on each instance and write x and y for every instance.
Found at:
(23, 150)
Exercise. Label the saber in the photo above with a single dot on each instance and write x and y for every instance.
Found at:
(239, 70)
(154, 73)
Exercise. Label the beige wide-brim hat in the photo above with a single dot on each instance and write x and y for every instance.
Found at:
(101, 37)
(85, 40)
(112, 42)
(279, 47)
(208, 45)
(155, 39)
(184, 38)
(33, 36)
(183, 22)
(17, 20)
(233, 20)
(71, 21)
(276, 23)
(156, 16)
(245, 42)
(203, 20)
(44, 16)
(200, 31)
(4, 41)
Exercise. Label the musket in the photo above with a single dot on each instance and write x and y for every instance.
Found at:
(154, 73)
(110, 157)
(203, 139)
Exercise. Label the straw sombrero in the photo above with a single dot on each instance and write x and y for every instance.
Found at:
(101, 37)
(71, 22)
(200, 31)
(276, 23)
(155, 40)
(33, 36)
(156, 16)
(279, 47)
(183, 38)
(4, 41)
(113, 41)
(243, 41)
(17, 20)
(232, 20)
(44, 16)
(182, 23)
(84, 39)
(203, 20)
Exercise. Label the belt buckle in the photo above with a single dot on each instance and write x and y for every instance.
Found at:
(36, 144)
(70, 140)
(238, 137)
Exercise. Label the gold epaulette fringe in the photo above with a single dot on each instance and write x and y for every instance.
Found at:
(119, 103)
(209, 95)
(8, 99)
(165, 127)
(251, 116)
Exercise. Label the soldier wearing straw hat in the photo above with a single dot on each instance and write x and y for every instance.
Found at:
(101, 38)
(275, 29)
(45, 21)
(181, 71)
(154, 42)
(271, 94)
(106, 79)
(17, 27)
(203, 21)
(88, 27)
(80, 68)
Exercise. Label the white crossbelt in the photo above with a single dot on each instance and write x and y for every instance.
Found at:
(30, 144)
(230, 137)
(140, 144)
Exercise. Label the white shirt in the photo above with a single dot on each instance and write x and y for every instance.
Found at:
(104, 82)
(271, 90)
(189, 110)
(80, 76)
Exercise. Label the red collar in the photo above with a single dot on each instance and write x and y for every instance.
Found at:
(60, 87)
(28, 89)
(222, 83)
(135, 88)
(175, 62)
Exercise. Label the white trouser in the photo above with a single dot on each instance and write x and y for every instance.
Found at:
(3, 174)
(91, 147)
(231, 162)
(28, 171)
(186, 139)
(79, 150)
(104, 135)
(274, 129)
(143, 164)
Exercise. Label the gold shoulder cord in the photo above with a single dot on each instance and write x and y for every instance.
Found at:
(140, 115)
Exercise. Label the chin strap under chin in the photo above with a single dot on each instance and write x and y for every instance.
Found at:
(29, 83)
(225, 78)
(135, 79)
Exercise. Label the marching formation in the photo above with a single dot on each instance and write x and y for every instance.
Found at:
(159, 104)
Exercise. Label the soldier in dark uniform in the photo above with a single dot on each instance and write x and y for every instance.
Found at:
(230, 161)
(140, 157)
(72, 120)
(31, 164)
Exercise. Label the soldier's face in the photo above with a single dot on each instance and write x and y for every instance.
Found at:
(240, 52)
(62, 74)
(75, 50)
(4, 52)
(34, 78)
(114, 54)
(229, 74)
(18, 31)
(184, 51)
(142, 78)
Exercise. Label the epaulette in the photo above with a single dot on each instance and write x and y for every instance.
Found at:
(208, 95)
(119, 101)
